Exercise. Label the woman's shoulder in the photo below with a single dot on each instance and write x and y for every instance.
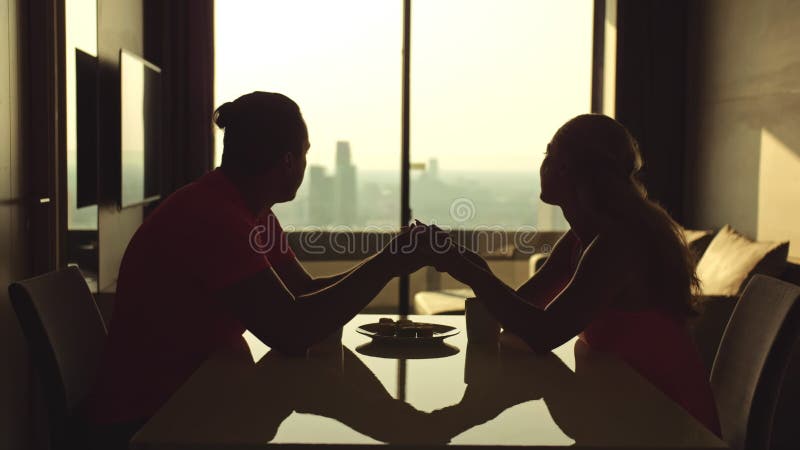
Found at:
(562, 251)
(620, 246)
(627, 241)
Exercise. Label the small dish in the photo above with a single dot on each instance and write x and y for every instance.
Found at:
(379, 332)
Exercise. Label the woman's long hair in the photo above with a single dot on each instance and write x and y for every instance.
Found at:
(607, 161)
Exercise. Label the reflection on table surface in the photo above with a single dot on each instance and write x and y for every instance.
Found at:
(471, 395)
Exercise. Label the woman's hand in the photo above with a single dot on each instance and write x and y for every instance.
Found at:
(450, 248)
(414, 247)
(458, 267)
(437, 249)
(418, 245)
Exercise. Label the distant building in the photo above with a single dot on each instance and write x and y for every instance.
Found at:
(320, 196)
(433, 168)
(346, 196)
(343, 157)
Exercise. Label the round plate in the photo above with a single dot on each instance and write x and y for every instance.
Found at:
(439, 333)
(410, 351)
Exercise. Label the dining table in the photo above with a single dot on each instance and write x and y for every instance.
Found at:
(356, 392)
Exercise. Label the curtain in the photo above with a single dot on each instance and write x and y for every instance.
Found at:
(179, 37)
(651, 91)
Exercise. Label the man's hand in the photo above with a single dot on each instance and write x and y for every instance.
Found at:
(466, 253)
(409, 250)
(448, 256)
(418, 245)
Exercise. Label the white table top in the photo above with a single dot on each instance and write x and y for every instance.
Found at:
(340, 396)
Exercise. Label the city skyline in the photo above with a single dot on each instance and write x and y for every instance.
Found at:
(350, 197)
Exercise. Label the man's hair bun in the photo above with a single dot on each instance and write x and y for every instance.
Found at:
(223, 115)
(260, 127)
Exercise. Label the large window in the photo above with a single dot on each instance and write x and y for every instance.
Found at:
(80, 34)
(490, 82)
(340, 61)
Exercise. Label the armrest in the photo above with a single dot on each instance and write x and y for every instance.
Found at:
(535, 262)
(709, 325)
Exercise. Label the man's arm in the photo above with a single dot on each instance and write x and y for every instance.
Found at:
(300, 282)
(291, 323)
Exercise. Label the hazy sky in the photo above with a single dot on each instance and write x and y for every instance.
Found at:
(491, 80)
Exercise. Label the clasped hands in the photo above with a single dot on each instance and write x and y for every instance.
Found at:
(419, 245)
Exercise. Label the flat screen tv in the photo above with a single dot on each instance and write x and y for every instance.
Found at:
(140, 130)
(86, 128)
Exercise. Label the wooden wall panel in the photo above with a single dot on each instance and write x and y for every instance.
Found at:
(14, 259)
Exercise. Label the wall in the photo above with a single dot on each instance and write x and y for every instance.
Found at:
(14, 263)
(119, 25)
(743, 139)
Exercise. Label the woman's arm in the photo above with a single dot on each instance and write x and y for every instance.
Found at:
(601, 275)
(540, 289)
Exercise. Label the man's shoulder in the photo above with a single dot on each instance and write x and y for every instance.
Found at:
(200, 197)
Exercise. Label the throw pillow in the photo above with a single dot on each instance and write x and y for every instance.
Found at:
(698, 241)
(731, 259)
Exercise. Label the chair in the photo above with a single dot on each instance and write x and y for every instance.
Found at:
(752, 358)
(65, 335)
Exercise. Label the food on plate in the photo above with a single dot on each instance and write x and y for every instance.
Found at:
(424, 330)
(402, 328)
(385, 329)
(407, 331)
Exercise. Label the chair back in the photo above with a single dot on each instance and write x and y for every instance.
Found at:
(752, 358)
(65, 334)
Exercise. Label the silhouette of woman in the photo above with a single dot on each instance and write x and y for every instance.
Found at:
(622, 277)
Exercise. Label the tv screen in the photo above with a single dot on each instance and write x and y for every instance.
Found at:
(86, 127)
(140, 130)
